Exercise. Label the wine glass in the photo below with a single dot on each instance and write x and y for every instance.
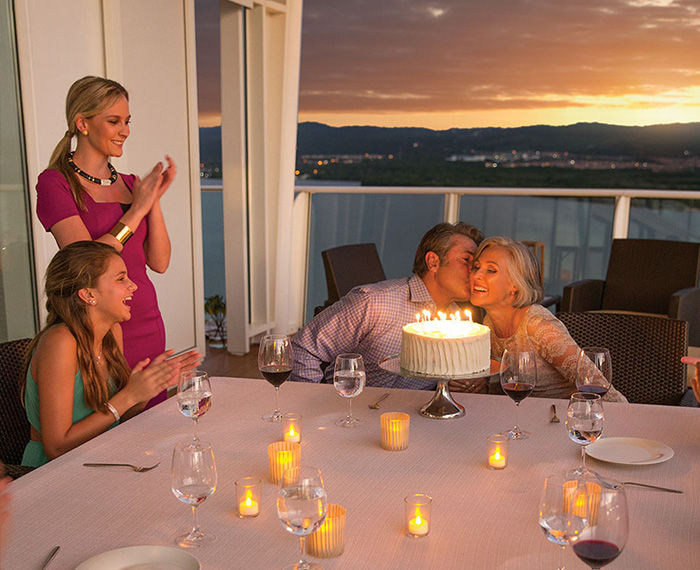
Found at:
(301, 505)
(594, 370)
(563, 510)
(518, 378)
(194, 395)
(193, 479)
(275, 362)
(606, 535)
(349, 381)
(584, 420)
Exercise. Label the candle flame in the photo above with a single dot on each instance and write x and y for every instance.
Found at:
(468, 314)
(248, 501)
(418, 520)
(292, 433)
(497, 455)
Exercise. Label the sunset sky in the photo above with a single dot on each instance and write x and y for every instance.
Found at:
(475, 63)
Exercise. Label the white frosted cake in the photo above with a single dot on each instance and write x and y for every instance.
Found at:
(445, 348)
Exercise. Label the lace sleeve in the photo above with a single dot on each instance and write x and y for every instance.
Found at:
(555, 345)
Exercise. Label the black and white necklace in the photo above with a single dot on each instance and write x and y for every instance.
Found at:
(102, 181)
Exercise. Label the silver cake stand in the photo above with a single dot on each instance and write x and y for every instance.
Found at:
(442, 406)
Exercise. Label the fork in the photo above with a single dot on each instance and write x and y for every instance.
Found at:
(375, 405)
(555, 419)
(611, 485)
(138, 468)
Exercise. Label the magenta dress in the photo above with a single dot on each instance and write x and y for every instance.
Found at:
(144, 333)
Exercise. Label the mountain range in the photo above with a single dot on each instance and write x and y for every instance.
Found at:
(590, 139)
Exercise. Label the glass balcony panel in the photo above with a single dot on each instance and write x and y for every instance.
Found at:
(395, 223)
(213, 239)
(656, 218)
(576, 231)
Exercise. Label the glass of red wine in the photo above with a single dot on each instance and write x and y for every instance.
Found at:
(605, 537)
(584, 421)
(518, 379)
(275, 362)
(594, 370)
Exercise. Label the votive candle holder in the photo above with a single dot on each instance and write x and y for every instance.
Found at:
(395, 429)
(497, 450)
(291, 427)
(418, 508)
(248, 491)
(282, 455)
(329, 540)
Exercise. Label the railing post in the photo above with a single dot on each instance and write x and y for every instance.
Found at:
(300, 253)
(451, 213)
(621, 217)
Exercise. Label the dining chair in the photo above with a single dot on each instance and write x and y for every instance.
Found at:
(537, 248)
(646, 352)
(348, 266)
(14, 426)
(645, 276)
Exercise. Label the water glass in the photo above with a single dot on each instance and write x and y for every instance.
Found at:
(194, 395)
(349, 381)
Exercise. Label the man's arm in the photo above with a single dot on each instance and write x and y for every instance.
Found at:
(337, 329)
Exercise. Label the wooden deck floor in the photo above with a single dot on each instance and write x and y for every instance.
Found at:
(219, 362)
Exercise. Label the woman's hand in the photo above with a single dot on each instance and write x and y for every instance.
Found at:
(147, 189)
(476, 386)
(186, 361)
(149, 378)
(168, 176)
(695, 382)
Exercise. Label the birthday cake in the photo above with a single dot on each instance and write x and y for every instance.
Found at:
(445, 348)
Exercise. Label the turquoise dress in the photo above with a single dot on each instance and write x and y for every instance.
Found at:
(34, 455)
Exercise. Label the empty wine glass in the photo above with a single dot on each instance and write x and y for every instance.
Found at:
(349, 381)
(193, 479)
(594, 370)
(301, 506)
(584, 420)
(563, 510)
(194, 395)
(605, 537)
(518, 378)
(275, 362)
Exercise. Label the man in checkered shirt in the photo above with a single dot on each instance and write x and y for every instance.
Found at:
(368, 320)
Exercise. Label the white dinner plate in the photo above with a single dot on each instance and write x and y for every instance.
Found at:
(142, 558)
(629, 451)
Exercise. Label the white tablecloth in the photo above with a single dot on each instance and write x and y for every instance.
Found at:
(481, 518)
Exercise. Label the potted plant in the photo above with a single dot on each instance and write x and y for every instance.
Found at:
(215, 308)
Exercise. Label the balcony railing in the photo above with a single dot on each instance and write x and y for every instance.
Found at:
(576, 225)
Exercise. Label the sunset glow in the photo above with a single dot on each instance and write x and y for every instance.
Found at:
(469, 63)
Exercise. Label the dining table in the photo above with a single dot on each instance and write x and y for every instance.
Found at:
(481, 518)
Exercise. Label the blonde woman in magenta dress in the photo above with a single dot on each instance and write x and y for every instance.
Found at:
(81, 197)
(505, 283)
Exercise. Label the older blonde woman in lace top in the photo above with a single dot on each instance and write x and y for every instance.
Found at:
(505, 283)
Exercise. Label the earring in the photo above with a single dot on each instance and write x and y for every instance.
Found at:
(92, 301)
(84, 132)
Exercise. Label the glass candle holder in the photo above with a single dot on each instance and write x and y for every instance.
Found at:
(395, 429)
(329, 540)
(291, 427)
(497, 449)
(282, 455)
(418, 508)
(248, 492)
(582, 499)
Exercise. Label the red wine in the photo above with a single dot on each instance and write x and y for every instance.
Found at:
(518, 391)
(594, 389)
(596, 553)
(276, 375)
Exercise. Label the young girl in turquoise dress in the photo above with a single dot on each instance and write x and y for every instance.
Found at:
(78, 383)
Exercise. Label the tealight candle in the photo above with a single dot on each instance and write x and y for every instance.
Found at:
(329, 540)
(282, 455)
(248, 496)
(395, 429)
(291, 427)
(497, 449)
(418, 514)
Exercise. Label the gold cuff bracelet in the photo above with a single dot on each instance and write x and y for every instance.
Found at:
(121, 232)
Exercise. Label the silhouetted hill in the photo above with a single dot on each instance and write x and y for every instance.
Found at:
(593, 139)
